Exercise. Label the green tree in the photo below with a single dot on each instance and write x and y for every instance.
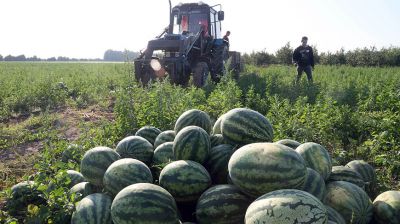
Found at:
(284, 54)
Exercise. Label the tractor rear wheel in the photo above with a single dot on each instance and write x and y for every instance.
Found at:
(200, 73)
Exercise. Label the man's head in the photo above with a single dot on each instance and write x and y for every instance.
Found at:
(228, 33)
(304, 41)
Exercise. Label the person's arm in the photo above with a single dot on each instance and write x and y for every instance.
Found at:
(295, 56)
(312, 57)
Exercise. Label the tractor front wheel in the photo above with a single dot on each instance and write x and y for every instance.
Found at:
(200, 73)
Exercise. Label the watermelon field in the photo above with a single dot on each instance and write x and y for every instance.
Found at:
(83, 141)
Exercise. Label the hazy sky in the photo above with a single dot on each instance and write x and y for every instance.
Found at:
(87, 28)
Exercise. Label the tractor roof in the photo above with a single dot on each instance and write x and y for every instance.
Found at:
(187, 7)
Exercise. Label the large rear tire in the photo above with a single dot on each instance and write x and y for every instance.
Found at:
(200, 73)
(220, 55)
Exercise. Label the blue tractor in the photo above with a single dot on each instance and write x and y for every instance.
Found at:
(192, 45)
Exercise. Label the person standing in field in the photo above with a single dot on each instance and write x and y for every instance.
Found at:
(303, 58)
(226, 37)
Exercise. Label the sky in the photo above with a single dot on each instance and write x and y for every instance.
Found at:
(87, 28)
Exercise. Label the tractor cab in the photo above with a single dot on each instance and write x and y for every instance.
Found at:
(189, 18)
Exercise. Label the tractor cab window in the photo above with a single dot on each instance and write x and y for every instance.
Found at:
(196, 21)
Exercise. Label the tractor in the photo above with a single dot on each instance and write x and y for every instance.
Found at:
(191, 45)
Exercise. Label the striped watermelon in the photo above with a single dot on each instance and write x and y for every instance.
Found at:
(316, 158)
(75, 177)
(185, 180)
(260, 168)
(222, 204)
(334, 216)
(136, 147)
(216, 139)
(192, 143)
(289, 143)
(314, 184)
(193, 117)
(83, 188)
(149, 133)
(243, 126)
(217, 163)
(125, 172)
(350, 201)
(95, 163)
(163, 153)
(94, 208)
(163, 137)
(387, 207)
(23, 188)
(144, 203)
(368, 174)
(287, 206)
(217, 126)
(341, 173)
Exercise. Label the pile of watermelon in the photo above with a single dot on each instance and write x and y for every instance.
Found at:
(229, 172)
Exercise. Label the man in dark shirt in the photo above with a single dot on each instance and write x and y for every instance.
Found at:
(226, 37)
(303, 57)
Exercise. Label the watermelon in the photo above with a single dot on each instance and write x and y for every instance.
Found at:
(350, 201)
(314, 184)
(289, 143)
(368, 174)
(387, 207)
(136, 147)
(22, 189)
(75, 177)
(217, 163)
(193, 117)
(260, 168)
(163, 153)
(83, 188)
(217, 126)
(192, 143)
(186, 180)
(334, 216)
(288, 206)
(216, 139)
(341, 173)
(125, 172)
(95, 163)
(149, 133)
(144, 203)
(316, 158)
(243, 126)
(94, 208)
(165, 136)
(222, 204)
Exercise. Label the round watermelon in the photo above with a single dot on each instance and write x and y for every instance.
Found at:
(136, 147)
(217, 163)
(368, 174)
(164, 153)
(192, 143)
(334, 216)
(144, 203)
(216, 139)
(94, 208)
(289, 143)
(186, 180)
(149, 133)
(83, 188)
(75, 177)
(125, 172)
(163, 137)
(95, 163)
(350, 201)
(193, 117)
(260, 168)
(316, 157)
(217, 126)
(287, 206)
(387, 207)
(222, 204)
(314, 184)
(243, 126)
(341, 173)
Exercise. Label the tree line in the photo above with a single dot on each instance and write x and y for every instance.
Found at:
(109, 55)
(358, 57)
